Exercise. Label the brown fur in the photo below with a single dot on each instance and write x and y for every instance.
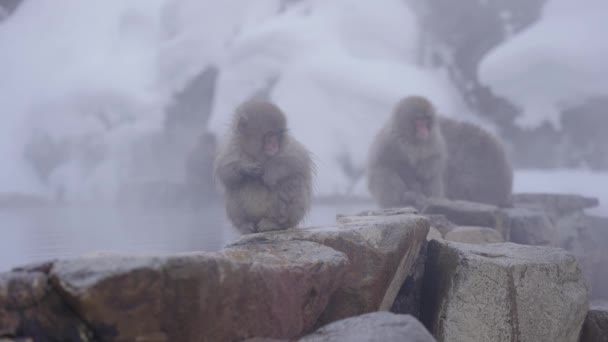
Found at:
(477, 166)
(402, 168)
(263, 193)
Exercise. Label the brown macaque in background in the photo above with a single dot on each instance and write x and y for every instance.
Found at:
(266, 173)
(477, 169)
(199, 167)
(407, 157)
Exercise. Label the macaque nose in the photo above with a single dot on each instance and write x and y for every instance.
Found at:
(271, 145)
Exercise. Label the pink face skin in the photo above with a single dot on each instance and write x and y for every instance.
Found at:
(271, 144)
(422, 129)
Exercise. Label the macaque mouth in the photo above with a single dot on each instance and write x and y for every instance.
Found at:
(422, 129)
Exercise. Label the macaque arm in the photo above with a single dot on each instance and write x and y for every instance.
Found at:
(387, 186)
(433, 185)
(293, 161)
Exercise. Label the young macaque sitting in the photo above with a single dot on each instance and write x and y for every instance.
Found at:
(407, 158)
(266, 174)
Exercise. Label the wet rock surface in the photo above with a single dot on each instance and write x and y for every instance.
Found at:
(554, 204)
(382, 252)
(502, 292)
(372, 327)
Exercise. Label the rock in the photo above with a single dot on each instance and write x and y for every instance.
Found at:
(502, 292)
(408, 299)
(587, 238)
(595, 328)
(463, 213)
(555, 205)
(474, 235)
(275, 290)
(30, 307)
(442, 224)
(433, 234)
(381, 212)
(371, 327)
(382, 251)
(529, 227)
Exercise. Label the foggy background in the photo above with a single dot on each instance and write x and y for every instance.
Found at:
(102, 103)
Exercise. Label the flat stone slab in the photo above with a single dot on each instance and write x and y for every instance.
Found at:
(276, 290)
(474, 235)
(595, 328)
(502, 292)
(373, 327)
(554, 204)
(382, 251)
(464, 213)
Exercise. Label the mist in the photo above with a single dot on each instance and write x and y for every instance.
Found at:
(103, 104)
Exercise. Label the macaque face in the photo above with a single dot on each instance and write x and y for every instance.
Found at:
(422, 128)
(272, 143)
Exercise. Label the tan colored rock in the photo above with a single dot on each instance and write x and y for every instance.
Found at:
(372, 327)
(382, 251)
(595, 328)
(529, 227)
(275, 290)
(502, 292)
(30, 308)
(474, 235)
(464, 213)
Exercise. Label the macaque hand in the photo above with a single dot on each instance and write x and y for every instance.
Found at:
(252, 170)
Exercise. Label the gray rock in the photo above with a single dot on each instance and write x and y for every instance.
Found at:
(30, 308)
(442, 224)
(463, 213)
(275, 290)
(434, 234)
(474, 235)
(502, 292)
(377, 326)
(381, 212)
(555, 205)
(587, 238)
(530, 227)
(382, 251)
(595, 328)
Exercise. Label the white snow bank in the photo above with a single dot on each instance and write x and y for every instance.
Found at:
(557, 62)
(581, 182)
(102, 73)
(342, 65)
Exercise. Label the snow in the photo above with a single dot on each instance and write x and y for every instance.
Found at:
(341, 65)
(558, 62)
(580, 182)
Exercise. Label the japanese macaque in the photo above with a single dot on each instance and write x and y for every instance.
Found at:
(477, 166)
(266, 173)
(199, 167)
(407, 158)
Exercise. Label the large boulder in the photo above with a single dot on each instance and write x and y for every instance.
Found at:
(595, 328)
(30, 308)
(464, 213)
(382, 251)
(373, 327)
(474, 235)
(531, 227)
(276, 289)
(502, 292)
